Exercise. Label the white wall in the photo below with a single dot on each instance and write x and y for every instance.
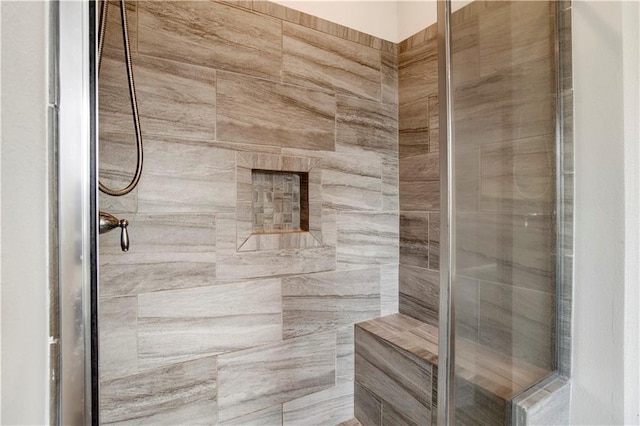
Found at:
(605, 294)
(24, 214)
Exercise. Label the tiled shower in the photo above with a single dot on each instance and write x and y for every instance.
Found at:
(291, 190)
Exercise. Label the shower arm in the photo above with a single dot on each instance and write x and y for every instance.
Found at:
(109, 222)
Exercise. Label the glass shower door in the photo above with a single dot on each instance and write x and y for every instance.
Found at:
(503, 204)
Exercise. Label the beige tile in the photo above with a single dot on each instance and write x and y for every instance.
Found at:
(414, 239)
(368, 409)
(261, 377)
(179, 393)
(434, 240)
(186, 324)
(327, 407)
(344, 355)
(468, 177)
(113, 32)
(117, 165)
(365, 126)
(390, 191)
(166, 252)
(271, 416)
(367, 239)
(212, 34)
(266, 113)
(186, 176)
(311, 58)
(389, 70)
(419, 183)
(388, 289)
(118, 337)
(419, 293)
(351, 182)
(518, 176)
(316, 303)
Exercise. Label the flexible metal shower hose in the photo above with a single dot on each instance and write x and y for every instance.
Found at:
(132, 94)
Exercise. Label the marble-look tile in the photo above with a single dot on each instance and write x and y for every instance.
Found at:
(315, 303)
(175, 99)
(468, 178)
(414, 239)
(419, 293)
(364, 126)
(310, 58)
(212, 34)
(390, 191)
(434, 140)
(434, 240)
(186, 176)
(113, 34)
(507, 248)
(393, 417)
(266, 113)
(389, 70)
(397, 378)
(179, 393)
(271, 416)
(467, 308)
(553, 409)
(118, 337)
(327, 407)
(257, 378)
(186, 324)
(517, 176)
(351, 422)
(351, 183)
(419, 182)
(344, 354)
(388, 289)
(367, 408)
(166, 252)
(367, 239)
(117, 153)
(413, 141)
(518, 322)
(514, 33)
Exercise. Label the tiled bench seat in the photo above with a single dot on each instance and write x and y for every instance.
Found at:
(396, 368)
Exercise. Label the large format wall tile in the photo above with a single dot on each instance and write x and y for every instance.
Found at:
(118, 337)
(419, 293)
(388, 289)
(179, 393)
(367, 238)
(367, 408)
(117, 153)
(344, 354)
(315, 303)
(261, 377)
(212, 34)
(312, 58)
(271, 416)
(351, 182)
(414, 239)
(266, 113)
(328, 407)
(187, 176)
(166, 252)
(365, 126)
(185, 324)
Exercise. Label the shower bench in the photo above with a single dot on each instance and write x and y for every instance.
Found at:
(396, 370)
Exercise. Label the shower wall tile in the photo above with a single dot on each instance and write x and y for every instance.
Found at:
(367, 408)
(175, 99)
(365, 126)
(390, 192)
(166, 252)
(187, 324)
(515, 176)
(271, 416)
(505, 248)
(414, 239)
(434, 240)
(352, 182)
(468, 178)
(113, 35)
(367, 239)
(267, 113)
(117, 153)
(327, 407)
(179, 393)
(518, 322)
(261, 377)
(315, 303)
(388, 289)
(187, 176)
(311, 58)
(420, 293)
(344, 355)
(118, 337)
(418, 194)
(389, 70)
(211, 34)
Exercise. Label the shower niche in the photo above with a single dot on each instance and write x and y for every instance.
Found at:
(279, 203)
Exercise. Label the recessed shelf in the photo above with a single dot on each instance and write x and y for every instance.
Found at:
(279, 201)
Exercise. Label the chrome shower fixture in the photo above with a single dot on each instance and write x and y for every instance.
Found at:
(109, 222)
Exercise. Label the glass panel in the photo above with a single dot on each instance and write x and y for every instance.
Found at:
(504, 269)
